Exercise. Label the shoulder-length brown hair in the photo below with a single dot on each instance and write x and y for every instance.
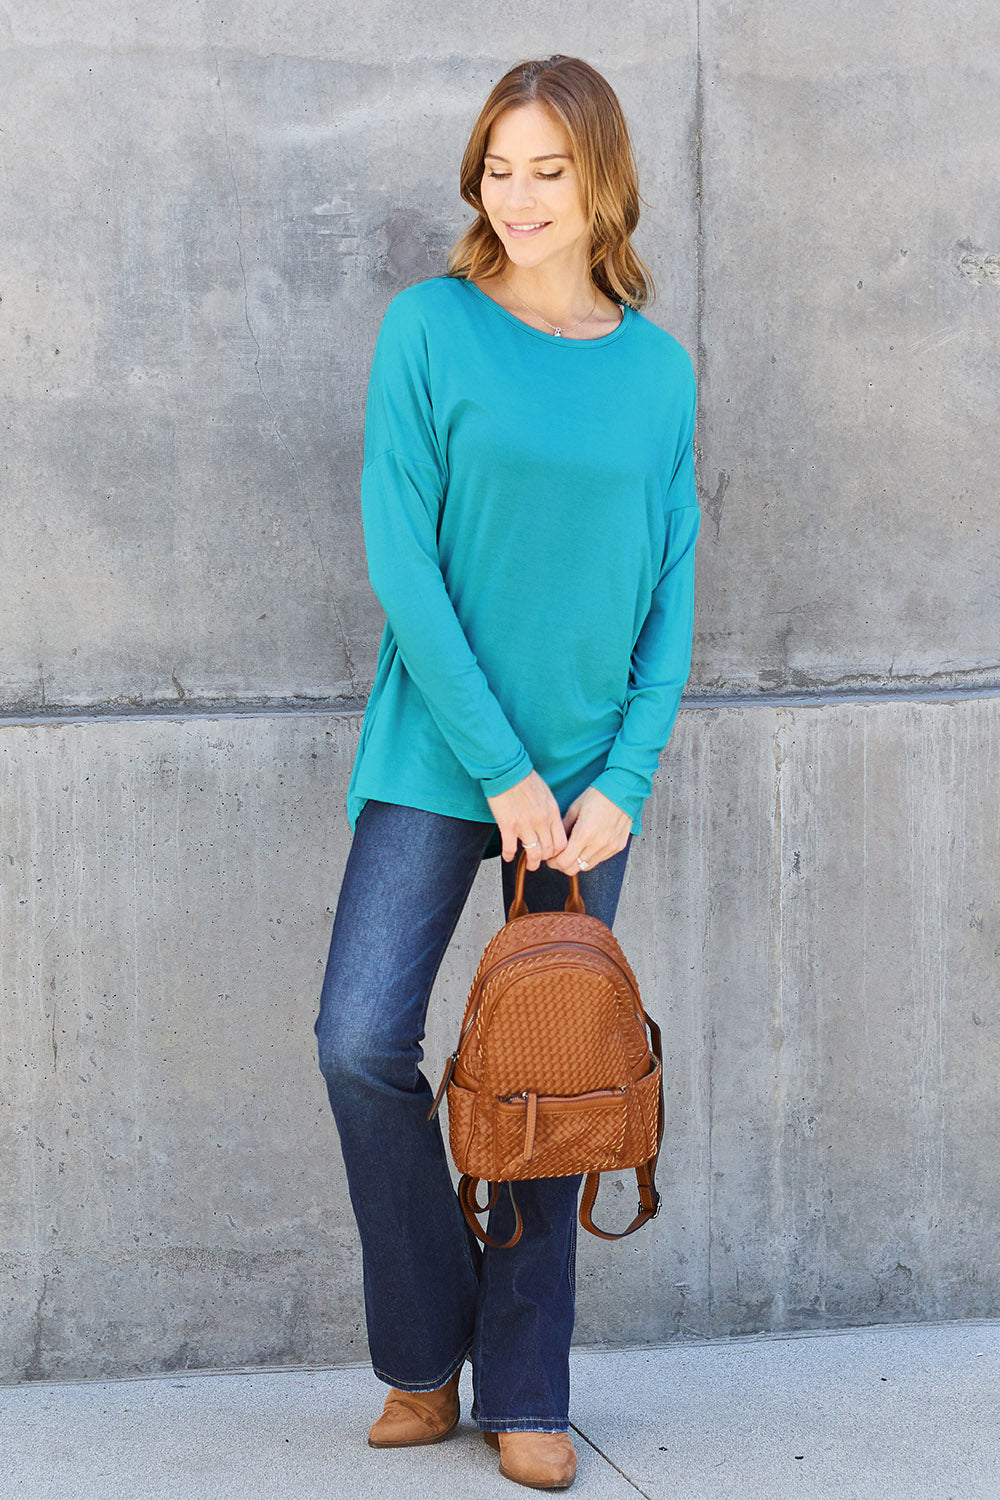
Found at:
(588, 108)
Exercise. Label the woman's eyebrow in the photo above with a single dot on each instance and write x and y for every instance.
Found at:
(552, 156)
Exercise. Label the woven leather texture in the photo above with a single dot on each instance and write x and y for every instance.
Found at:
(554, 1075)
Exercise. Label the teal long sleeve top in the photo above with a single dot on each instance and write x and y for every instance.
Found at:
(530, 520)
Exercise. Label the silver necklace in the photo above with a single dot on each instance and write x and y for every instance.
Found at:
(557, 330)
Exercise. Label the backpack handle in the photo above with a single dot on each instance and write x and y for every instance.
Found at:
(574, 901)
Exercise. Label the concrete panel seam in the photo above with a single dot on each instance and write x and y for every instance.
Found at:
(609, 1461)
(193, 709)
(699, 126)
(351, 708)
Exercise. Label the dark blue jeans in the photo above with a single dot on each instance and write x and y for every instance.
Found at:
(432, 1297)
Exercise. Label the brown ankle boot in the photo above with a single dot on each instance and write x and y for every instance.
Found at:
(411, 1418)
(540, 1460)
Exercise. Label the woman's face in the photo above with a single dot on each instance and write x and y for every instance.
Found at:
(531, 190)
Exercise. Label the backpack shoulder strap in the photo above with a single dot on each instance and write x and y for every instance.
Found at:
(645, 1176)
(649, 1204)
(467, 1190)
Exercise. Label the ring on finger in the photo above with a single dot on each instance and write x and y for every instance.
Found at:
(582, 863)
(533, 845)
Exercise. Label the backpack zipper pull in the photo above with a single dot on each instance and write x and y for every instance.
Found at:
(529, 1125)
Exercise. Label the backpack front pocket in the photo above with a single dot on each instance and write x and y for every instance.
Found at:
(553, 1135)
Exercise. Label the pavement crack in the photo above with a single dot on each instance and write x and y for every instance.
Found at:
(610, 1461)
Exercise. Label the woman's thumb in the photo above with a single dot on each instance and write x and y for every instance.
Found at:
(572, 813)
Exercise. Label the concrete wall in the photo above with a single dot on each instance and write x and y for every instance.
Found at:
(204, 210)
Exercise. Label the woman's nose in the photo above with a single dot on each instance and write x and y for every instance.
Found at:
(521, 193)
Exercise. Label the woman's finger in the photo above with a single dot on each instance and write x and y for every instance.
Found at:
(508, 839)
(532, 846)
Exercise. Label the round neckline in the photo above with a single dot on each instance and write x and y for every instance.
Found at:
(628, 314)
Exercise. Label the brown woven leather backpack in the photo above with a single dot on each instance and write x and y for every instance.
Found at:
(553, 1074)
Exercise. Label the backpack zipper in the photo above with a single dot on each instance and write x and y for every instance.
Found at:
(528, 952)
(622, 1088)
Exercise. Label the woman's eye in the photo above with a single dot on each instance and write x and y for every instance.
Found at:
(545, 176)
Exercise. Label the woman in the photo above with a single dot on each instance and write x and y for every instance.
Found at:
(530, 520)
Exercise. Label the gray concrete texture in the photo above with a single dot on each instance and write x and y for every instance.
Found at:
(204, 219)
(814, 917)
(904, 1413)
(204, 209)
(851, 291)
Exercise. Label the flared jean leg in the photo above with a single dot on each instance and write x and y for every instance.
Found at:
(527, 1294)
(407, 879)
(431, 1296)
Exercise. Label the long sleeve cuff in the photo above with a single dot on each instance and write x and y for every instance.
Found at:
(626, 789)
(494, 785)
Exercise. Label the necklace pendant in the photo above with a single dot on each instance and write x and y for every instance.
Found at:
(557, 333)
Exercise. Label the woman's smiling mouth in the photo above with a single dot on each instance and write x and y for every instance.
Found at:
(526, 228)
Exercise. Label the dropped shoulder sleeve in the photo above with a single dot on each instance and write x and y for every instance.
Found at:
(402, 490)
(661, 658)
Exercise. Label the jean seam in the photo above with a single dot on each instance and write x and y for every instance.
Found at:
(422, 1385)
(521, 1424)
(469, 1257)
(571, 1260)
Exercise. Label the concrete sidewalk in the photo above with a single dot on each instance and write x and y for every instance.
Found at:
(861, 1414)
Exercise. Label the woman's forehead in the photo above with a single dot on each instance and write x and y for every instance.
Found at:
(528, 130)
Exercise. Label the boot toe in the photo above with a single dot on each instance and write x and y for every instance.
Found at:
(538, 1460)
(412, 1418)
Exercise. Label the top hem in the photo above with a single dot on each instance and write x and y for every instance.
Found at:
(425, 802)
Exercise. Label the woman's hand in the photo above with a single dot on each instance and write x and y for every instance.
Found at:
(597, 829)
(528, 812)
